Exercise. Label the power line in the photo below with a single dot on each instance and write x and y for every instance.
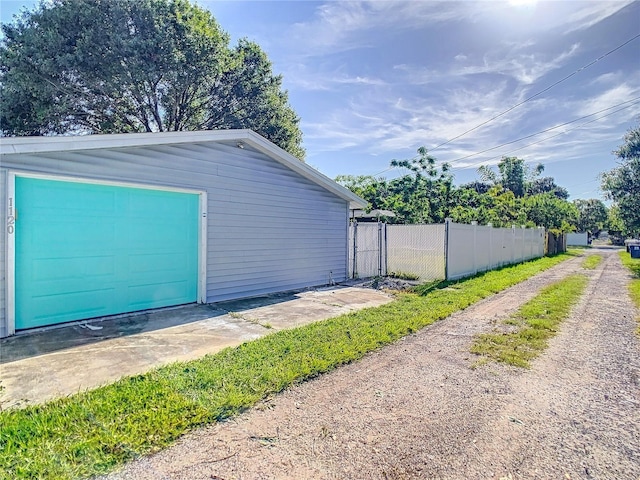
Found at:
(632, 101)
(547, 138)
(537, 94)
(523, 102)
(542, 140)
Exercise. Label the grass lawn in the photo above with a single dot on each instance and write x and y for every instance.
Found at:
(532, 325)
(633, 264)
(591, 262)
(95, 432)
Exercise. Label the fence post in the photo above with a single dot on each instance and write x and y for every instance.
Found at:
(386, 251)
(355, 250)
(513, 244)
(475, 246)
(379, 249)
(491, 266)
(447, 221)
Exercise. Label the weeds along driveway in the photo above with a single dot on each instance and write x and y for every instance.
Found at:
(417, 408)
(39, 366)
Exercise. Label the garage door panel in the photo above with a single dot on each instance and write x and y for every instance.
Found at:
(155, 295)
(69, 236)
(152, 199)
(71, 198)
(150, 236)
(71, 284)
(51, 309)
(167, 264)
(64, 268)
(121, 249)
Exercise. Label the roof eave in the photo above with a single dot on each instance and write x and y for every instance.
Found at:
(31, 145)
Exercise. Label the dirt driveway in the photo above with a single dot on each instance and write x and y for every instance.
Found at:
(416, 409)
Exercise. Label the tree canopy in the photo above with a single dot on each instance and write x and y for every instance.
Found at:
(622, 184)
(117, 66)
(593, 215)
(513, 175)
(511, 196)
(420, 197)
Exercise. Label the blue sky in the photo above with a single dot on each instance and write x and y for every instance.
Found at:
(372, 81)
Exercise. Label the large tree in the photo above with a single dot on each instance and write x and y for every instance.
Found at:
(546, 185)
(593, 215)
(513, 175)
(422, 196)
(114, 66)
(427, 195)
(622, 184)
(551, 212)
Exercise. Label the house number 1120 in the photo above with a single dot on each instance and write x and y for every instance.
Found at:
(11, 219)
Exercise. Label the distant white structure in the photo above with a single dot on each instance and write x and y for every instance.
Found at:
(578, 239)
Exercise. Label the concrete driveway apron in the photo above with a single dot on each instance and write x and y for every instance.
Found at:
(40, 365)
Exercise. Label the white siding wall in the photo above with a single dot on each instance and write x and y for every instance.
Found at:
(269, 229)
(3, 254)
(578, 239)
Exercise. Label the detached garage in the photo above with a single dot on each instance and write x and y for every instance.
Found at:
(108, 224)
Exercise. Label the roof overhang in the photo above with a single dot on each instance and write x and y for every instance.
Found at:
(375, 213)
(35, 145)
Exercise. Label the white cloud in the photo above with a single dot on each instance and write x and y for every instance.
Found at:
(526, 68)
(616, 93)
(357, 80)
(320, 77)
(590, 13)
(339, 26)
(343, 25)
(412, 121)
(428, 99)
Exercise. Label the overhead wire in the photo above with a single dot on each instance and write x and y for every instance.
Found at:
(584, 67)
(632, 102)
(544, 139)
(627, 104)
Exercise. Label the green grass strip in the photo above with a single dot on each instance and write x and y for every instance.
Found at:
(591, 262)
(94, 432)
(530, 328)
(633, 264)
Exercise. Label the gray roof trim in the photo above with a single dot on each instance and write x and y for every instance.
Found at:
(31, 145)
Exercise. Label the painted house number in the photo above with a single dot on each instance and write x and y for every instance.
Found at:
(11, 219)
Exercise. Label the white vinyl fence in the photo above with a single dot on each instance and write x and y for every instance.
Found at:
(432, 252)
(416, 250)
(367, 256)
(475, 248)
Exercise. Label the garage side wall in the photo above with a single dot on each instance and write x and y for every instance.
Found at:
(3, 254)
(269, 229)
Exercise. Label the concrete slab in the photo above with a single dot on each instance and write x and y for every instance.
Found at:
(41, 365)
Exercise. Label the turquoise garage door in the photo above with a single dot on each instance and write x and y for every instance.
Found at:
(88, 250)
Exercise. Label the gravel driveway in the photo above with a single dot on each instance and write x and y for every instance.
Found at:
(416, 409)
